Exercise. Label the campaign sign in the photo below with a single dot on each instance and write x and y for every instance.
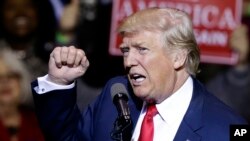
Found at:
(213, 22)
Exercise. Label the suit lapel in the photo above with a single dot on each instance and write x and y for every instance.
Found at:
(192, 122)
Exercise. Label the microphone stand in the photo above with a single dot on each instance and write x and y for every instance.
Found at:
(122, 129)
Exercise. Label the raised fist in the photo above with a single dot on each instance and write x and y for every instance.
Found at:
(66, 64)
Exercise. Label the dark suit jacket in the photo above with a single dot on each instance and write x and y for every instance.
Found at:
(207, 118)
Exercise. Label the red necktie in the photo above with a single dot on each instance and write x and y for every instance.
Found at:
(147, 127)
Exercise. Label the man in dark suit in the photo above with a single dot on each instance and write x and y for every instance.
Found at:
(161, 59)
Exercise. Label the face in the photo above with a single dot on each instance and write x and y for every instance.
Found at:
(9, 85)
(151, 71)
(20, 18)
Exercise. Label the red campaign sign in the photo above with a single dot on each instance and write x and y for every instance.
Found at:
(213, 22)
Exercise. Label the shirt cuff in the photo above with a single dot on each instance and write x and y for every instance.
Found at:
(45, 86)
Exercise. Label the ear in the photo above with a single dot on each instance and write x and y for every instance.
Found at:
(179, 58)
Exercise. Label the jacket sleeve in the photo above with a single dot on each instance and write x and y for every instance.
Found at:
(59, 116)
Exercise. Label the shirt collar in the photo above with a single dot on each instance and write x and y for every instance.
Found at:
(173, 108)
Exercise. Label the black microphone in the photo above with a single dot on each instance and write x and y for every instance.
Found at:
(122, 125)
(119, 96)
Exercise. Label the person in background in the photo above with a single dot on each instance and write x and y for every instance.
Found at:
(25, 29)
(93, 37)
(232, 84)
(161, 59)
(94, 40)
(78, 26)
(17, 120)
(31, 30)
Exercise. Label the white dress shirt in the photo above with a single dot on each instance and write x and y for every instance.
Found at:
(171, 112)
(46, 86)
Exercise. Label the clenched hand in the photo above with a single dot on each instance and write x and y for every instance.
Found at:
(66, 64)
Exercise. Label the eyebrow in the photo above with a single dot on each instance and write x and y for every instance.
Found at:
(133, 44)
(122, 45)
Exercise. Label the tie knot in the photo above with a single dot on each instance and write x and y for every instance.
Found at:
(151, 111)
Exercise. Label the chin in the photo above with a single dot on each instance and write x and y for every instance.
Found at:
(139, 93)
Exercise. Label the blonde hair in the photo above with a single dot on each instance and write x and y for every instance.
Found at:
(17, 66)
(175, 26)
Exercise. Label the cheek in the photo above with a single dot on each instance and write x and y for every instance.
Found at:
(16, 88)
(162, 71)
(32, 14)
(159, 66)
(12, 95)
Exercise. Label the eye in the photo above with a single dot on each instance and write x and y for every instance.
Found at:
(124, 50)
(142, 50)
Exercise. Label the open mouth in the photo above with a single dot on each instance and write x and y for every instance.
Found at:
(137, 78)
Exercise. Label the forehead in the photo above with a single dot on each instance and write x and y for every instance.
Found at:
(143, 37)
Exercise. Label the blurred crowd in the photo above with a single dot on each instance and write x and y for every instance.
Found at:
(30, 29)
(230, 83)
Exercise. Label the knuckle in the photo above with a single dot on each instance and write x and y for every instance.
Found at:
(64, 49)
(72, 47)
(56, 49)
(72, 52)
(80, 53)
